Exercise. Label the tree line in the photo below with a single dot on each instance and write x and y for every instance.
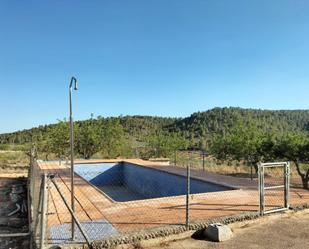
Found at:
(227, 133)
(200, 129)
(246, 142)
(107, 137)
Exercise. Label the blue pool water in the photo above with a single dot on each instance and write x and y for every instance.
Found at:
(127, 182)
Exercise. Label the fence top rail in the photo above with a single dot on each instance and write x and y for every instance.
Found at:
(277, 164)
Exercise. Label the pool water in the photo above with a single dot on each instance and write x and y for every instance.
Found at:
(127, 182)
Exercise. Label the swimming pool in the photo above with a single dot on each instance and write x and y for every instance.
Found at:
(127, 182)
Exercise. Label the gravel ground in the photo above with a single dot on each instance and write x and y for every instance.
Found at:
(275, 232)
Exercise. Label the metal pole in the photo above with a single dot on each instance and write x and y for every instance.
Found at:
(263, 189)
(286, 184)
(175, 159)
(274, 164)
(203, 162)
(12, 235)
(39, 208)
(259, 186)
(251, 173)
(73, 80)
(71, 211)
(188, 193)
(261, 197)
(29, 194)
(43, 212)
(33, 161)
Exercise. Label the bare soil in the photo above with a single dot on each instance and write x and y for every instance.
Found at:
(275, 232)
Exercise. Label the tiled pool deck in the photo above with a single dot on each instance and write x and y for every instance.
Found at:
(92, 205)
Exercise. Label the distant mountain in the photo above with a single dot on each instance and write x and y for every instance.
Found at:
(199, 126)
(218, 119)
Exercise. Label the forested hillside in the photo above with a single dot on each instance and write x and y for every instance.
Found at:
(217, 120)
(245, 135)
(199, 127)
(135, 126)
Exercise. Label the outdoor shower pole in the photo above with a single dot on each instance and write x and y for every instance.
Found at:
(73, 81)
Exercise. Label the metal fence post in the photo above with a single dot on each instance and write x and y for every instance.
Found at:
(29, 195)
(32, 176)
(38, 208)
(261, 187)
(286, 184)
(43, 212)
(203, 154)
(203, 162)
(175, 158)
(188, 193)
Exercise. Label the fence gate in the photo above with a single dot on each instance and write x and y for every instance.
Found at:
(274, 186)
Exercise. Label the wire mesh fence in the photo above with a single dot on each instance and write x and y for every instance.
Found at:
(123, 197)
(202, 161)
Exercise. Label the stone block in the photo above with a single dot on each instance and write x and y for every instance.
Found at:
(218, 232)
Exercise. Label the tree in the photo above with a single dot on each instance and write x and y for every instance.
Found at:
(112, 138)
(240, 142)
(88, 140)
(295, 148)
(59, 142)
(44, 146)
(163, 145)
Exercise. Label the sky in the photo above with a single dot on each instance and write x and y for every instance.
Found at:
(160, 57)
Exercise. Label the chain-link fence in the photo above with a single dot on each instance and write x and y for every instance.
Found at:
(117, 198)
(36, 191)
(203, 161)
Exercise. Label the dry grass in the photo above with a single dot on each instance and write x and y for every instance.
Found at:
(211, 164)
(234, 168)
(13, 163)
(13, 158)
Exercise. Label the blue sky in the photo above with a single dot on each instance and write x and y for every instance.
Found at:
(163, 57)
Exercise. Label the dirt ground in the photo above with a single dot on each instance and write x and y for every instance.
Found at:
(12, 223)
(275, 232)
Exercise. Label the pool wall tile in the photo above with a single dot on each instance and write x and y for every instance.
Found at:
(155, 183)
(126, 181)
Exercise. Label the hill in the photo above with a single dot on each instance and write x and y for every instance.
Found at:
(215, 121)
(197, 128)
(134, 126)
